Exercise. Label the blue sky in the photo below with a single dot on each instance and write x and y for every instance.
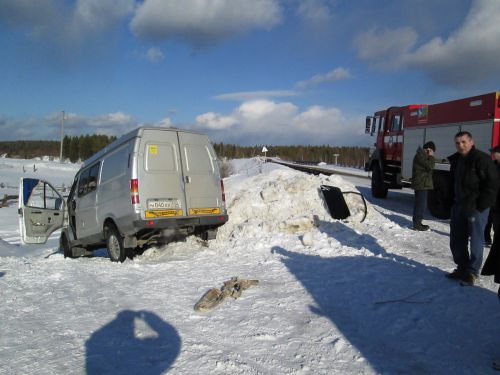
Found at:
(242, 71)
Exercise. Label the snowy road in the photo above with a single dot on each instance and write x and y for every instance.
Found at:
(334, 297)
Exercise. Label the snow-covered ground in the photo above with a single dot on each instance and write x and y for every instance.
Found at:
(335, 297)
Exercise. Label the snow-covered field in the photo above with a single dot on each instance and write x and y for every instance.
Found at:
(335, 297)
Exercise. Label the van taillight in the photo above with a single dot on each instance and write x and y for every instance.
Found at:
(134, 191)
(222, 189)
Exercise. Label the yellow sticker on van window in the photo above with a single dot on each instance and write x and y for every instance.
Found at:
(204, 211)
(162, 213)
(153, 149)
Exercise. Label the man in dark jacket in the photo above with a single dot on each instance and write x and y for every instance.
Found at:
(421, 181)
(492, 264)
(475, 183)
(494, 216)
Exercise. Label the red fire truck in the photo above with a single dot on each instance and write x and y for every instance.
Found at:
(400, 130)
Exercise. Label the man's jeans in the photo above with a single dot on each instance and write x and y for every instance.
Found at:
(463, 227)
(419, 206)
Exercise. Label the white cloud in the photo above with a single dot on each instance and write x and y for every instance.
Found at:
(332, 76)
(386, 47)
(315, 12)
(154, 55)
(165, 123)
(211, 120)
(111, 119)
(116, 123)
(203, 21)
(101, 14)
(48, 127)
(254, 95)
(259, 114)
(12, 129)
(317, 119)
(250, 123)
(65, 24)
(469, 54)
(28, 12)
(269, 122)
(80, 22)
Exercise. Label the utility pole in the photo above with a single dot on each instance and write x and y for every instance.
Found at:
(62, 137)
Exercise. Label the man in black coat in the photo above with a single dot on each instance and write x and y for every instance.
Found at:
(494, 217)
(475, 184)
(492, 264)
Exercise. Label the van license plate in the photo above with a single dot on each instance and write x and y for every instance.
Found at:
(163, 204)
(162, 213)
(204, 211)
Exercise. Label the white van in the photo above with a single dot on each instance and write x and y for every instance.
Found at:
(147, 187)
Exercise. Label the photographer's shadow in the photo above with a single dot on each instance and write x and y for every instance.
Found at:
(135, 342)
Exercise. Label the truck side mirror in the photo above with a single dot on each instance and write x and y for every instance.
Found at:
(368, 126)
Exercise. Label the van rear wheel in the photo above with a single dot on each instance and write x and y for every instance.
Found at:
(114, 242)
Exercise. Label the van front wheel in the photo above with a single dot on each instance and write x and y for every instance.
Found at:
(114, 242)
(65, 246)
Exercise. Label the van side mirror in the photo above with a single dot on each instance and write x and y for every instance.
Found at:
(369, 125)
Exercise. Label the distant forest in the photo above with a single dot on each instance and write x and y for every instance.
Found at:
(74, 148)
(82, 147)
(350, 156)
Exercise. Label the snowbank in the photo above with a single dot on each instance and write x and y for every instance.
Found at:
(283, 200)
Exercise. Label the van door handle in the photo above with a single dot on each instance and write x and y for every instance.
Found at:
(187, 179)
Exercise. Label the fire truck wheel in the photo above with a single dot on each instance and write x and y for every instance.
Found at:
(379, 188)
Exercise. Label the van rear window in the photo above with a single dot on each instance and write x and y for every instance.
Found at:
(199, 159)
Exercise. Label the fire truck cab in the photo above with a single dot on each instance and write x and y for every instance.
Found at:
(399, 131)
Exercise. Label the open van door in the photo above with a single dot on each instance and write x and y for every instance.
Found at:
(42, 210)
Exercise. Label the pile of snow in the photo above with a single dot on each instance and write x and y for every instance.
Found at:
(283, 200)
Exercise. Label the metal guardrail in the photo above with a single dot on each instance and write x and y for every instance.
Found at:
(313, 169)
